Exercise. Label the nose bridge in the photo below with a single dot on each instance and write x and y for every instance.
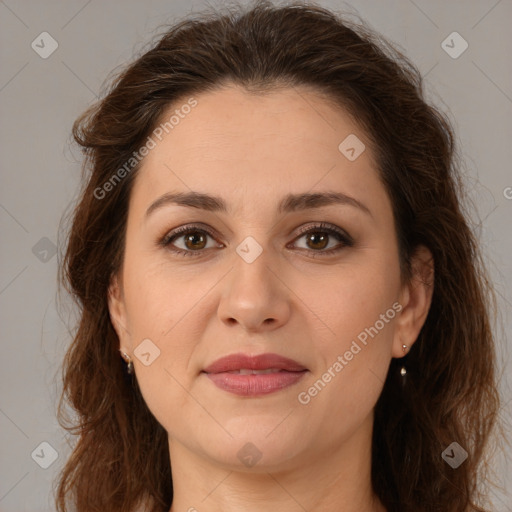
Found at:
(255, 257)
(254, 296)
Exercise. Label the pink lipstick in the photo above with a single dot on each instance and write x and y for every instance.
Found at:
(254, 375)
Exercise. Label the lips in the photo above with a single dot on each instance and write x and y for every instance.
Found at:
(250, 376)
(263, 362)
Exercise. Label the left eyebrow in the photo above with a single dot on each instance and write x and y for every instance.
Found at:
(290, 203)
(306, 201)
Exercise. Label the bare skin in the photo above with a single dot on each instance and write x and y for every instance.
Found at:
(294, 299)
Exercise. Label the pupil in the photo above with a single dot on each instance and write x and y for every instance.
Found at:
(192, 237)
(323, 238)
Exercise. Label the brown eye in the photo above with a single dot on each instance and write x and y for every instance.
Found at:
(194, 240)
(317, 238)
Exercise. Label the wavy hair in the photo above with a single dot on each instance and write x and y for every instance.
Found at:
(121, 456)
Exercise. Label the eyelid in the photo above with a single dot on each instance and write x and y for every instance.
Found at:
(325, 226)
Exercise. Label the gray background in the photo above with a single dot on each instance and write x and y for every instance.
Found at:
(39, 100)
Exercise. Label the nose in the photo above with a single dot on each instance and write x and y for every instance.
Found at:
(255, 296)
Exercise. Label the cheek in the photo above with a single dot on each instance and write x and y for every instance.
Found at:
(162, 311)
(159, 296)
(355, 353)
(344, 388)
(350, 298)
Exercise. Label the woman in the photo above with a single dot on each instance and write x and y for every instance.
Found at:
(270, 236)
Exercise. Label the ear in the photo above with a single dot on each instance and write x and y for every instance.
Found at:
(415, 299)
(117, 311)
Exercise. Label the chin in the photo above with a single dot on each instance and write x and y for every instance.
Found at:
(255, 446)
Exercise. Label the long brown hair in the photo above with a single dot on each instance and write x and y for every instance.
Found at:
(121, 456)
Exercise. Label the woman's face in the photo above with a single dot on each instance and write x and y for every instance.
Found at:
(260, 276)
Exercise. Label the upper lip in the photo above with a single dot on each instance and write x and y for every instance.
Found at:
(258, 362)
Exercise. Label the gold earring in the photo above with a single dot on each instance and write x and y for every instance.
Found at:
(129, 362)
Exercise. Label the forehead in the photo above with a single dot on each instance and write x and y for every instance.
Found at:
(233, 121)
(232, 143)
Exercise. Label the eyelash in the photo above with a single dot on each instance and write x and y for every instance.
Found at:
(322, 228)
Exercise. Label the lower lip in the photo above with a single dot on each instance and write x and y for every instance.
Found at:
(254, 385)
